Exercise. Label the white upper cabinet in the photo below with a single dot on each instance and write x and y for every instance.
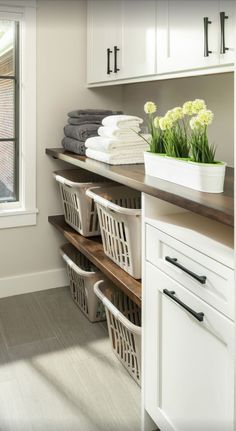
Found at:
(121, 39)
(227, 31)
(138, 38)
(192, 35)
(104, 18)
(132, 39)
(187, 35)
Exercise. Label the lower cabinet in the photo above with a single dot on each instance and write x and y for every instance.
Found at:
(188, 357)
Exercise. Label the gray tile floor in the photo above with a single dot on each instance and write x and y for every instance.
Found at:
(57, 371)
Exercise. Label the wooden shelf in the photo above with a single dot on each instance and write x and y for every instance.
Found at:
(92, 248)
(219, 207)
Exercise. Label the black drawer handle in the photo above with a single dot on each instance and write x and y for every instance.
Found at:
(171, 294)
(200, 278)
(206, 22)
(109, 52)
(223, 48)
(116, 49)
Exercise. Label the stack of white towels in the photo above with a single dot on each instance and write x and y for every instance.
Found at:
(118, 142)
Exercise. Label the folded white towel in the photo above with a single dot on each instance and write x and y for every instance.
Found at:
(122, 121)
(110, 132)
(127, 152)
(112, 144)
(116, 159)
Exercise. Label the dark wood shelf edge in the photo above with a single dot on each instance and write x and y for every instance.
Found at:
(92, 248)
(98, 168)
(218, 207)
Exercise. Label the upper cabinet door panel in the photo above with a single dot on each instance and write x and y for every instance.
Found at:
(182, 38)
(137, 54)
(104, 23)
(227, 31)
(128, 39)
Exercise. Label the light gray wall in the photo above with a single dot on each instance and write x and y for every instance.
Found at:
(61, 86)
(61, 70)
(217, 90)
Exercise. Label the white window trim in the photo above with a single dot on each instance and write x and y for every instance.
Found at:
(23, 213)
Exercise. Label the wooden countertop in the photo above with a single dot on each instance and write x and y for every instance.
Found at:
(92, 248)
(218, 207)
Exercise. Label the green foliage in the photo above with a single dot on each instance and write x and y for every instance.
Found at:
(176, 141)
(156, 142)
(201, 150)
(174, 136)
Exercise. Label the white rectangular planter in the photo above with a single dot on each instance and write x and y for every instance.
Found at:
(198, 176)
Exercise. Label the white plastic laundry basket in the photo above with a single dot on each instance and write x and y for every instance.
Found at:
(82, 275)
(119, 213)
(79, 210)
(124, 326)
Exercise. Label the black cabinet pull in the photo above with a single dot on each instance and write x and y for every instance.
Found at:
(171, 294)
(116, 49)
(223, 48)
(206, 23)
(109, 70)
(201, 278)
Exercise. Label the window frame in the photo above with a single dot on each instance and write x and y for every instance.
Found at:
(23, 212)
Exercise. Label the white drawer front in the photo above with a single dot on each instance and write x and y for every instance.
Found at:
(188, 358)
(218, 288)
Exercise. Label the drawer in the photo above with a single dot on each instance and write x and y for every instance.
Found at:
(188, 358)
(202, 275)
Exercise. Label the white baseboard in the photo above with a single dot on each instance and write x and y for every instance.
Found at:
(33, 282)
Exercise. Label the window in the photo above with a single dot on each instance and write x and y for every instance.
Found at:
(17, 113)
(9, 110)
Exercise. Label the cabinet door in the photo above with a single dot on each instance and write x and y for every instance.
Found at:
(181, 38)
(137, 53)
(227, 32)
(188, 364)
(104, 30)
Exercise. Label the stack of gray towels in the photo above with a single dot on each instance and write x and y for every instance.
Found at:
(83, 124)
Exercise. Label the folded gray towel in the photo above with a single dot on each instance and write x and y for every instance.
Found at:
(90, 119)
(73, 145)
(84, 112)
(81, 132)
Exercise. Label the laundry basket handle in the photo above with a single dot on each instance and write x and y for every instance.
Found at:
(99, 199)
(75, 184)
(110, 205)
(117, 314)
(65, 181)
(75, 267)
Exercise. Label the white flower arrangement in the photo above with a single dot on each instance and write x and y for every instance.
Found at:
(150, 108)
(156, 141)
(189, 158)
(192, 107)
(177, 136)
(175, 133)
(198, 105)
(165, 123)
(201, 150)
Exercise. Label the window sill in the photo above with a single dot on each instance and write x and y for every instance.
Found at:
(17, 217)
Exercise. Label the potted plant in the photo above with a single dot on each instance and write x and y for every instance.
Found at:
(187, 158)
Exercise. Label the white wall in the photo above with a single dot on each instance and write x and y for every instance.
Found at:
(31, 253)
(61, 69)
(217, 90)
